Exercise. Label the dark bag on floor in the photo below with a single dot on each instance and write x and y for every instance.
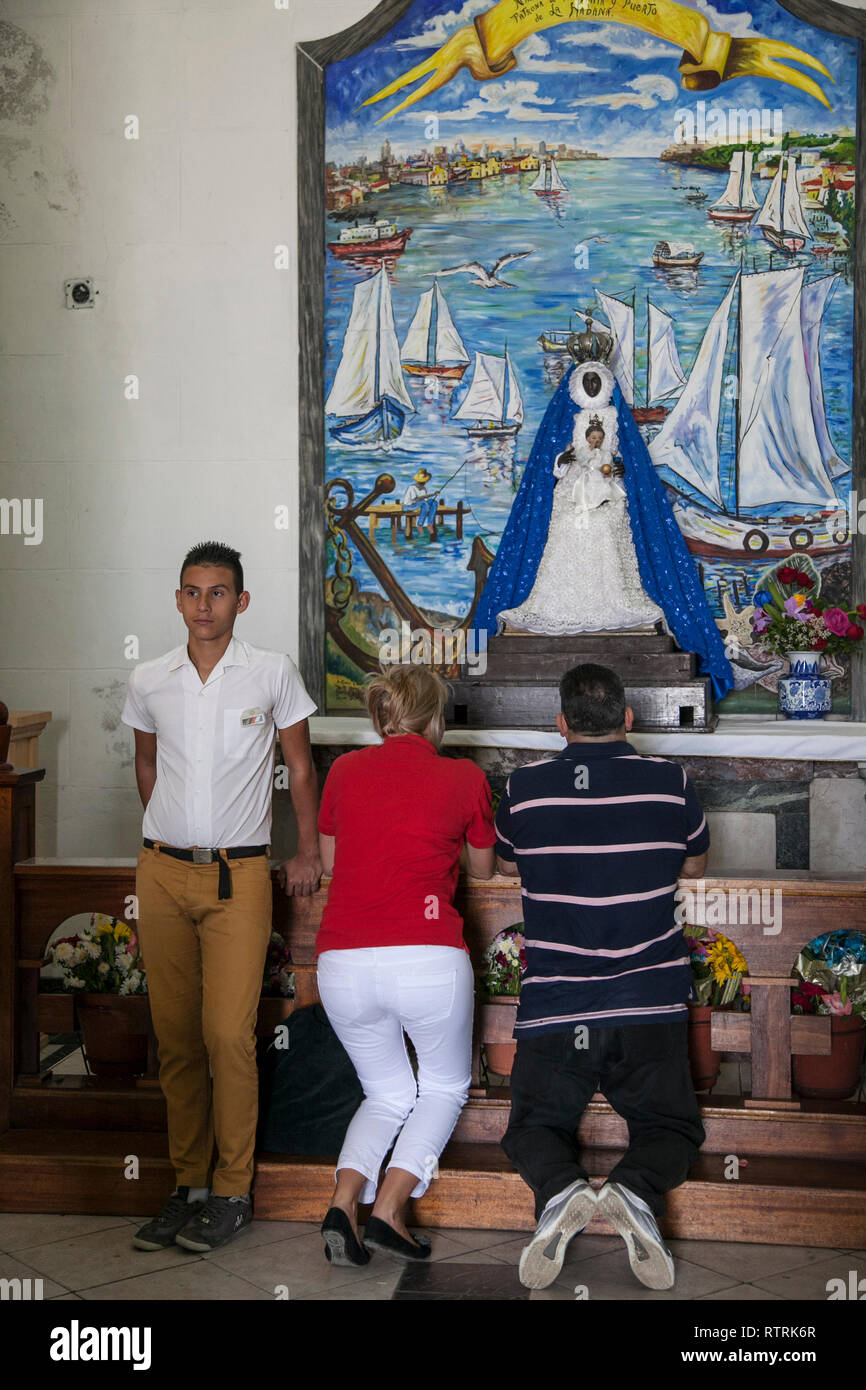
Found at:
(309, 1091)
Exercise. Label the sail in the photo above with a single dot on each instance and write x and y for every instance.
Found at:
(793, 221)
(688, 442)
(747, 197)
(493, 392)
(538, 185)
(665, 375)
(449, 346)
(620, 316)
(415, 346)
(370, 358)
(771, 213)
(513, 404)
(779, 457)
(555, 182)
(731, 196)
(483, 400)
(813, 302)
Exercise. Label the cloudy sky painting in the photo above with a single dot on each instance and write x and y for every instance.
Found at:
(600, 86)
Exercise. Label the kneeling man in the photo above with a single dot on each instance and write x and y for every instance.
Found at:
(599, 836)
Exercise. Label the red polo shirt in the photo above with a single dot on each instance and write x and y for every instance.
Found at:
(399, 813)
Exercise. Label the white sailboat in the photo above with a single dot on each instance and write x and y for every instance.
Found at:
(433, 347)
(664, 375)
(368, 395)
(493, 405)
(548, 181)
(784, 453)
(738, 202)
(781, 218)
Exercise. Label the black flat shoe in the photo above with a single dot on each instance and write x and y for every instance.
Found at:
(341, 1245)
(378, 1235)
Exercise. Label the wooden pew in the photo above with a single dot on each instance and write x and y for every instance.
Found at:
(64, 1141)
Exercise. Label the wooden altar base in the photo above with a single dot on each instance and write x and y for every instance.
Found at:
(775, 1201)
(520, 686)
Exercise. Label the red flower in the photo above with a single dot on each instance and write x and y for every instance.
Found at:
(803, 580)
(819, 644)
(786, 575)
(817, 610)
(861, 610)
(855, 632)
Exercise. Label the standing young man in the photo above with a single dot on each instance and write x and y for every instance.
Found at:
(599, 837)
(204, 717)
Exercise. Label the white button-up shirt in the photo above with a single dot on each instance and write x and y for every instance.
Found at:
(215, 742)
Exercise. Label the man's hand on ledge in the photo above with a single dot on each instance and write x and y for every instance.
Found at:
(299, 877)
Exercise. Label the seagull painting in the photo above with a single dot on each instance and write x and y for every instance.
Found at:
(488, 279)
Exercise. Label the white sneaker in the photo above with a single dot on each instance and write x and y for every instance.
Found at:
(650, 1261)
(565, 1216)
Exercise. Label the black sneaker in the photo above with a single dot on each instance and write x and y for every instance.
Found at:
(159, 1233)
(220, 1219)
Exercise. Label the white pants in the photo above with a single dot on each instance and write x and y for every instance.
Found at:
(370, 996)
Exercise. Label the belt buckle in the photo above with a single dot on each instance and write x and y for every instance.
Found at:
(202, 856)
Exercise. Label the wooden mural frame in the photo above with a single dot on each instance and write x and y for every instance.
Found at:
(313, 59)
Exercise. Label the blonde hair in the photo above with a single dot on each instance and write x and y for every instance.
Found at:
(406, 700)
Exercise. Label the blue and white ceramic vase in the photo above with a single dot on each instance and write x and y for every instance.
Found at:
(804, 693)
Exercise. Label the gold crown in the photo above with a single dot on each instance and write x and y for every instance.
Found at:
(590, 346)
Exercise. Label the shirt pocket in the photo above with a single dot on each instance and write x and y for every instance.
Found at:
(239, 739)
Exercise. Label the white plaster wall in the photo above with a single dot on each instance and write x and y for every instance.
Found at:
(178, 228)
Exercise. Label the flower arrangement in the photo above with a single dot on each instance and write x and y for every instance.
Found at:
(279, 978)
(718, 967)
(832, 971)
(787, 618)
(505, 961)
(104, 958)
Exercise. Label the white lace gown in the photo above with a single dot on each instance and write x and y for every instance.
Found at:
(588, 578)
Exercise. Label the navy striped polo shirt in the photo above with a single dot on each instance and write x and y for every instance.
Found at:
(599, 835)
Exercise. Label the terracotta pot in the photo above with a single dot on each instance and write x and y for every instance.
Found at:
(115, 1030)
(704, 1062)
(836, 1076)
(500, 1057)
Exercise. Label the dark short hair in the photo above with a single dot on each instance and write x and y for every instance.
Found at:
(593, 700)
(215, 553)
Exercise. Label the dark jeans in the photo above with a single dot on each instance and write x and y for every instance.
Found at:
(643, 1070)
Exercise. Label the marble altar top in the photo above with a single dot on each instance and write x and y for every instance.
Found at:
(737, 736)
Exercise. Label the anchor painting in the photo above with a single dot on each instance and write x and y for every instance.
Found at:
(546, 162)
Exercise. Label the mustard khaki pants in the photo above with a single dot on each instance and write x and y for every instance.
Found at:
(204, 960)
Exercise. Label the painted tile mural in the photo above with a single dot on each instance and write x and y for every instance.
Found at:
(685, 173)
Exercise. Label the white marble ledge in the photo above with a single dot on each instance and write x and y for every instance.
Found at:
(820, 740)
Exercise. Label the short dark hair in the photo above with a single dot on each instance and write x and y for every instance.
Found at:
(593, 700)
(215, 553)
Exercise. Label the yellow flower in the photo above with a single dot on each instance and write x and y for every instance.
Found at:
(122, 932)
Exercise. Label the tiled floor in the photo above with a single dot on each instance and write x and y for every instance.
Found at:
(92, 1257)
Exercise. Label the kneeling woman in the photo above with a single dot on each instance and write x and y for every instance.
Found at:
(391, 957)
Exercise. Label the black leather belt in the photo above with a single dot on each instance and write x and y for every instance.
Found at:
(207, 856)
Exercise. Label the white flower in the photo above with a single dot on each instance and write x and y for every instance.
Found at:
(63, 953)
(124, 988)
(78, 955)
(74, 982)
(123, 960)
(91, 949)
(102, 968)
(133, 979)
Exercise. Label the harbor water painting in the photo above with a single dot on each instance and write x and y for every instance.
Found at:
(679, 175)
